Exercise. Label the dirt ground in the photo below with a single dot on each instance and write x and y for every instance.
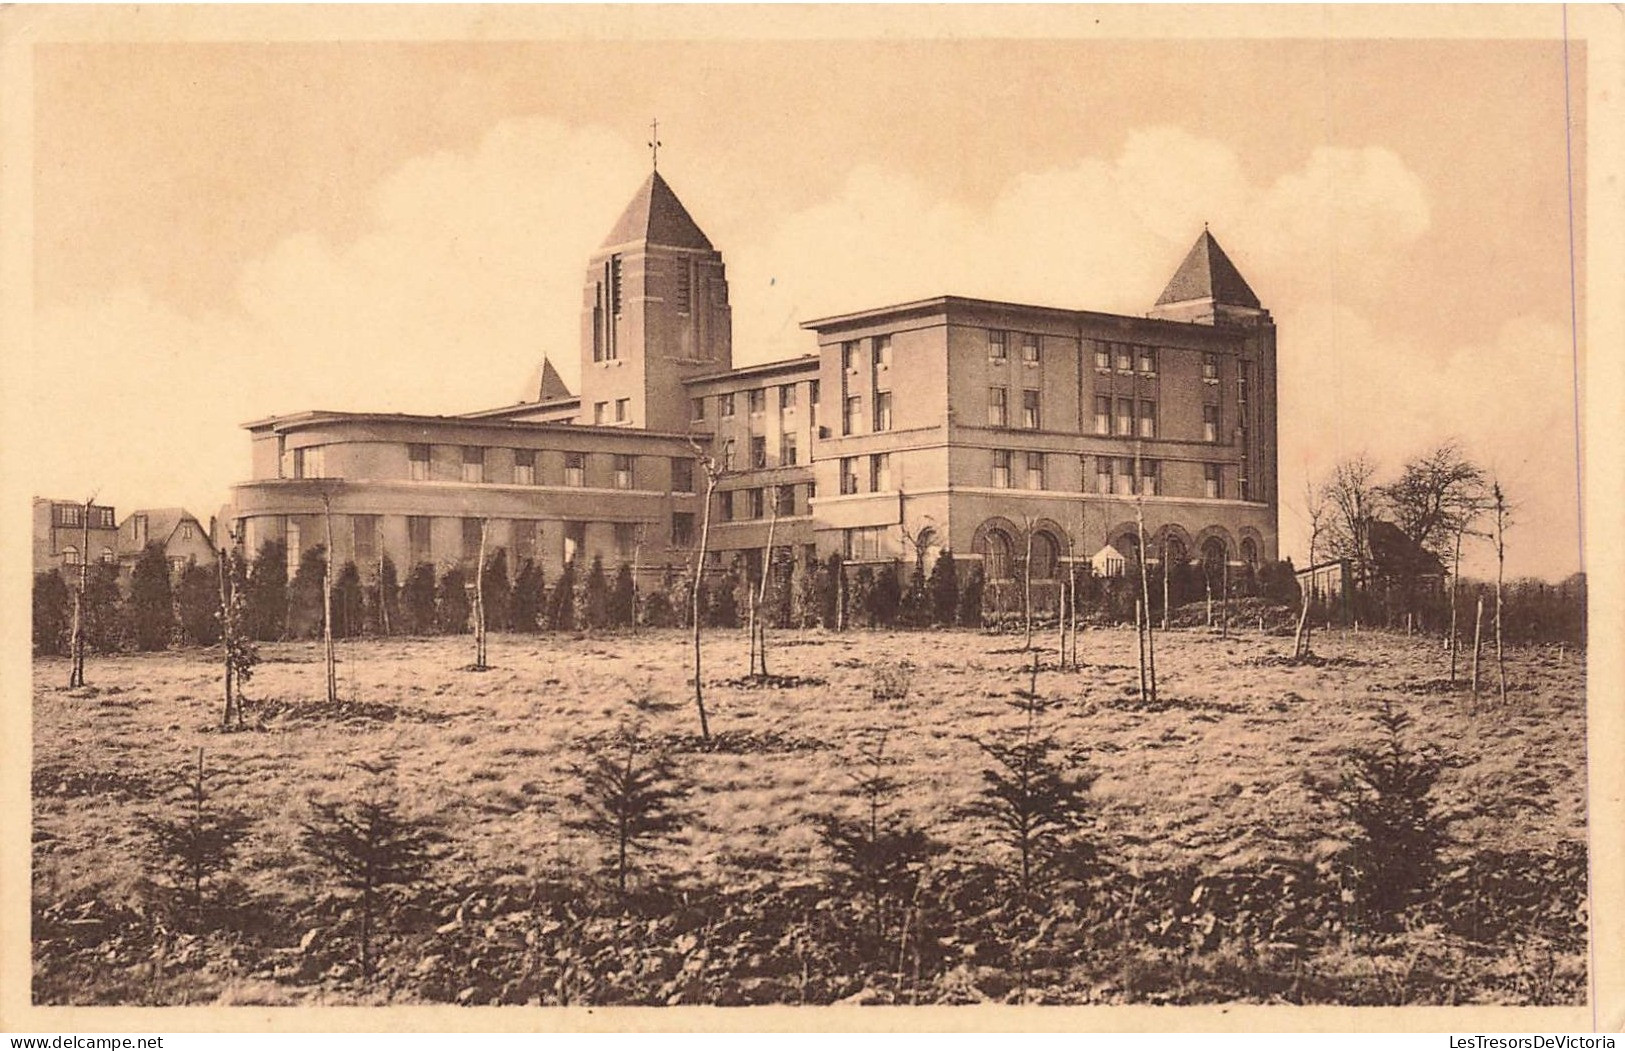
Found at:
(1214, 775)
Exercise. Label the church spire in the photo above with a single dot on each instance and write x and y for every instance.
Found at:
(1208, 274)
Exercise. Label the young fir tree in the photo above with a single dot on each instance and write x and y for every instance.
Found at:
(452, 605)
(622, 599)
(52, 613)
(832, 592)
(944, 591)
(498, 593)
(268, 592)
(886, 600)
(595, 607)
(236, 631)
(724, 606)
(860, 608)
(561, 611)
(389, 597)
(628, 798)
(529, 598)
(195, 844)
(417, 601)
(373, 849)
(305, 600)
(970, 599)
(152, 603)
(348, 612)
(197, 599)
(103, 610)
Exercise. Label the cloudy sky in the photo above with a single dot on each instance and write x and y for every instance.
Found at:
(228, 231)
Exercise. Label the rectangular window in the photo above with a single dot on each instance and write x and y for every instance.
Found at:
(600, 413)
(1123, 477)
(758, 504)
(758, 451)
(1246, 490)
(575, 469)
(417, 457)
(1035, 471)
(473, 463)
(1210, 423)
(623, 471)
(998, 407)
(1103, 356)
(880, 472)
(102, 517)
(849, 355)
(471, 539)
(1148, 418)
(524, 541)
(682, 529)
(812, 392)
(1030, 417)
(1029, 348)
(725, 505)
(623, 408)
(1103, 475)
(1103, 414)
(626, 538)
(364, 536)
(1244, 382)
(849, 422)
(70, 514)
(186, 530)
(1125, 357)
(1210, 368)
(1148, 360)
(419, 545)
(309, 462)
(862, 544)
(787, 396)
(1001, 468)
(784, 500)
(756, 398)
(296, 548)
(880, 354)
(787, 448)
(682, 474)
(1148, 477)
(849, 475)
(725, 405)
(1213, 479)
(812, 492)
(998, 346)
(1125, 416)
(883, 410)
(524, 466)
(696, 409)
(575, 540)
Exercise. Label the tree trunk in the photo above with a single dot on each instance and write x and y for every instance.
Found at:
(327, 607)
(1139, 635)
(1455, 585)
(694, 600)
(1478, 634)
(76, 674)
(1224, 602)
(761, 593)
(383, 599)
(228, 640)
(479, 599)
(1027, 594)
(1165, 575)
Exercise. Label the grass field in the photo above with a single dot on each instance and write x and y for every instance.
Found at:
(1206, 788)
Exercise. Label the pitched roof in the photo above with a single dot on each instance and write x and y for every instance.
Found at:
(655, 216)
(1207, 273)
(546, 384)
(161, 524)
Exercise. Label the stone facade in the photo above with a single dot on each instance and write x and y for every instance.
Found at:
(948, 423)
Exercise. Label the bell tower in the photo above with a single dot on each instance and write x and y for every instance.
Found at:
(654, 312)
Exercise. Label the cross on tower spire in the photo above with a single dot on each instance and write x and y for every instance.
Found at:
(654, 143)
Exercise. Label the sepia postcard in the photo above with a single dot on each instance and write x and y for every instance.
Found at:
(920, 517)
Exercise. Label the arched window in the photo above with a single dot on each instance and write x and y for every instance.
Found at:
(1213, 557)
(928, 549)
(70, 556)
(1249, 553)
(999, 556)
(107, 556)
(1129, 546)
(1174, 552)
(1046, 556)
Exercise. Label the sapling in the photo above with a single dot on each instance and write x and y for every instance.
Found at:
(198, 844)
(372, 848)
(628, 798)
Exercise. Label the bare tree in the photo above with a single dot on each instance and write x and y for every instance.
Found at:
(758, 622)
(479, 600)
(1029, 526)
(1503, 518)
(1351, 499)
(330, 657)
(76, 671)
(236, 640)
(715, 470)
(1149, 656)
(1434, 502)
(1314, 502)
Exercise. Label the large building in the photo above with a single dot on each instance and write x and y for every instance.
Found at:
(944, 424)
(66, 534)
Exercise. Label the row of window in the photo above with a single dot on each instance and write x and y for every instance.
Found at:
(788, 452)
(70, 556)
(998, 408)
(755, 401)
(74, 515)
(1114, 476)
(601, 415)
(1122, 422)
(998, 346)
(734, 505)
(622, 476)
(879, 473)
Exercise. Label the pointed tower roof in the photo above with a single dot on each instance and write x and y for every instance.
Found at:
(545, 384)
(1207, 273)
(655, 216)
